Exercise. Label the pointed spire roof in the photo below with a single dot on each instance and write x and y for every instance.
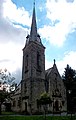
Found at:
(34, 36)
(33, 32)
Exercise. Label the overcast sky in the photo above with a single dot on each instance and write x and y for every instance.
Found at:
(56, 23)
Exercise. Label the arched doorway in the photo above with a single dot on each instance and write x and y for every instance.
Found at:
(56, 105)
(25, 106)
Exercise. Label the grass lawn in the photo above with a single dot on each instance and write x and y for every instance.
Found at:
(35, 118)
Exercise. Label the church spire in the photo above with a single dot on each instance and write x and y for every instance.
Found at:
(33, 32)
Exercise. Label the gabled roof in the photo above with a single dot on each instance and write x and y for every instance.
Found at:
(50, 70)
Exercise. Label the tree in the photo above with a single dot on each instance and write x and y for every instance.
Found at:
(44, 100)
(7, 85)
(3, 95)
(69, 78)
(69, 75)
(6, 80)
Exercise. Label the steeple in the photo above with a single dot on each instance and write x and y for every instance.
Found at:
(34, 36)
(33, 32)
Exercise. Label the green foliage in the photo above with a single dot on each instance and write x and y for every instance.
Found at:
(44, 99)
(69, 74)
(3, 95)
(44, 95)
(34, 118)
(6, 80)
(7, 84)
(69, 78)
(8, 113)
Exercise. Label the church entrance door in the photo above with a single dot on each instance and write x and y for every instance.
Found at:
(25, 106)
(56, 105)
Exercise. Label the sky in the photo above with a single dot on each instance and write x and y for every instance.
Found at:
(56, 24)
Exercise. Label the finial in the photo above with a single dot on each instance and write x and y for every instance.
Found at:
(54, 61)
(34, 3)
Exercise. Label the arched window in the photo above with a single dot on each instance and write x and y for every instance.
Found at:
(27, 60)
(38, 61)
(38, 57)
(26, 63)
(25, 88)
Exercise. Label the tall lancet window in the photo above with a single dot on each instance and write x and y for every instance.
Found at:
(26, 64)
(38, 61)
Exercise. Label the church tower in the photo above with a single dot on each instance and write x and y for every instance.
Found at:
(33, 71)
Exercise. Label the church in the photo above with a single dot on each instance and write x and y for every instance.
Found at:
(36, 80)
